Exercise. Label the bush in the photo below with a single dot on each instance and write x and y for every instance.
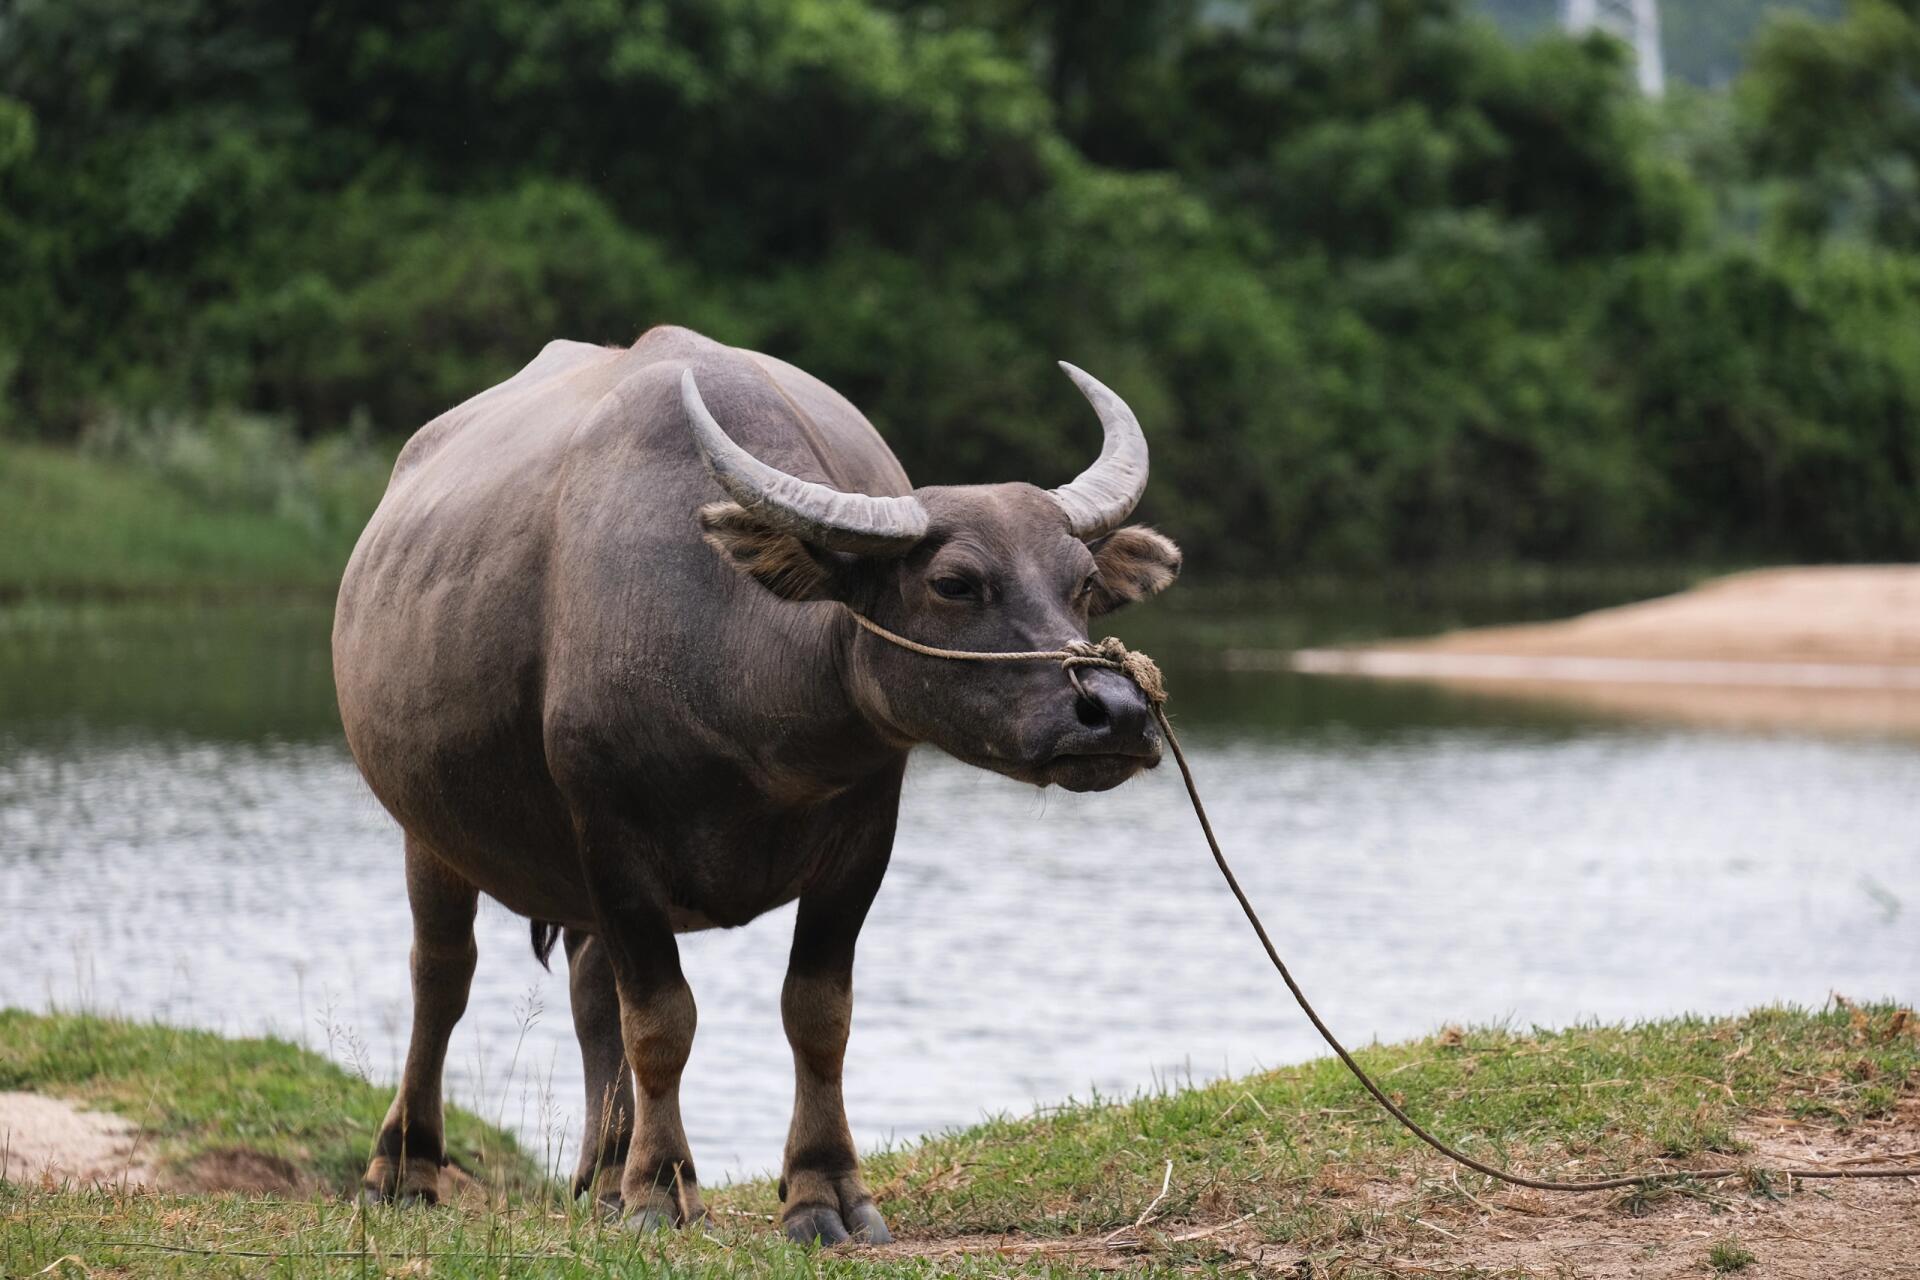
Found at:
(238, 462)
(1774, 398)
(1386, 289)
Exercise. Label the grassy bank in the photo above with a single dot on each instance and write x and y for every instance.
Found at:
(196, 1095)
(186, 514)
(1289, 1169)
(237, 507)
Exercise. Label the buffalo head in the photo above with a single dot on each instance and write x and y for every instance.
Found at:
(994, 568)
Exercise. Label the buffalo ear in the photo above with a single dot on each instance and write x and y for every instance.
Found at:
(778, 561)
(1133, 563)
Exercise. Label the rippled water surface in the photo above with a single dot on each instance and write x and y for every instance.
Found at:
(182, 835)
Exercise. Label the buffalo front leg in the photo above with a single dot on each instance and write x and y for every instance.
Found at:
(657, 1184)
(608, 1133)
(411, 1148)
(821, 1192)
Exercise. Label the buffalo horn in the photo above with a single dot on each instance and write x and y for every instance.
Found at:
(814, 513)
(1106, 492)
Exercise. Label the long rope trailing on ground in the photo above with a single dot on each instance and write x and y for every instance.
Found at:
(1112, 655)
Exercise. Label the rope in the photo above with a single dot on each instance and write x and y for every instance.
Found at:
(1108, 653)
(1112, 655)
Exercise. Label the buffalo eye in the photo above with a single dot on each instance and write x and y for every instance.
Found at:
(952, 587)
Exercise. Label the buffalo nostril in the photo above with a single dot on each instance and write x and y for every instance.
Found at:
(1112, 705)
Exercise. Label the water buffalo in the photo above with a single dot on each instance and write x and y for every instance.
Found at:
(592, 654)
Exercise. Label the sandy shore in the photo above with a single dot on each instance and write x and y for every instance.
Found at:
(1831, 647)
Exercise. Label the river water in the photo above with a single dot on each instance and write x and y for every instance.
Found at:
(183, 836)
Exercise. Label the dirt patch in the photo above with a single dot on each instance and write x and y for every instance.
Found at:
(53, 1142)
(240, 1170)
(1817, 1229)
(1439, 1225)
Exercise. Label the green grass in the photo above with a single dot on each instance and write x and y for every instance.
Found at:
(234, 506)
(1729, 1255)
(1585, 1102)
(195, 1091)
(1286, 1149)
(74, 524)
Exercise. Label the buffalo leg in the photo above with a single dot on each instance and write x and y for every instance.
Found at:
(608, 1131)
(411, 1148)
(821, 1193)
(657, 1186)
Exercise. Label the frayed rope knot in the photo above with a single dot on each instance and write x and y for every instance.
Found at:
(1115, 656)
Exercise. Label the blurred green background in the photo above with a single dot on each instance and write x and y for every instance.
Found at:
(1394, 284)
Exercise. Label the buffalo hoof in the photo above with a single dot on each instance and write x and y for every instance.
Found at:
(866, 1225)
(413, 1181)
(649, 1218)
(605, 1202)
(818, 1224)
(657, 1216)
(602, 1184)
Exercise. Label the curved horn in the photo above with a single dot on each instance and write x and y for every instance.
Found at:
(812, 512)
(1106, 492)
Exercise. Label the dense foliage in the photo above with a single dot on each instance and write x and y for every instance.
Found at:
(1703, 42)
(1385, 286)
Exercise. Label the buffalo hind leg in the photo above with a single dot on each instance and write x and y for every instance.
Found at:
(657, 1186)
(411, 1148)
(608, 1132)
(821, 1192)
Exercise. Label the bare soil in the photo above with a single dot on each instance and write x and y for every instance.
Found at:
(1436, 1224)
(52, 1142)
(240, 1170)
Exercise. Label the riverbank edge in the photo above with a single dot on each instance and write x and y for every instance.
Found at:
(1293, 1160)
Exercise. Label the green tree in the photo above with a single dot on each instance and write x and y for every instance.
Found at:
(1340, 129)
(1707, 42)
(1835, 116)
(1386, 287)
